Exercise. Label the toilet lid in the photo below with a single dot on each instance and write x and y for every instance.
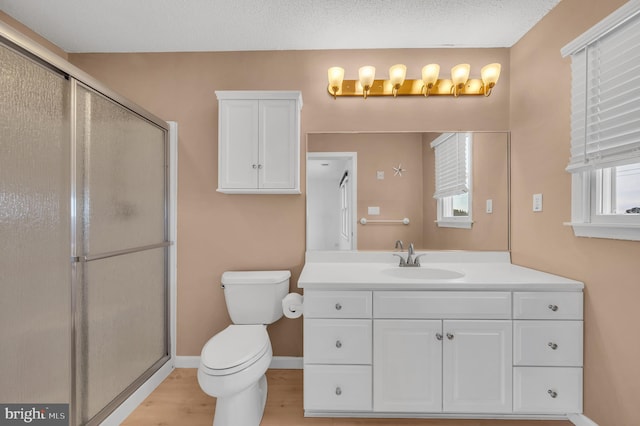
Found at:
(234, 346)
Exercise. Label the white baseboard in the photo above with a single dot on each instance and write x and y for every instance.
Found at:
(187, 361)
(279, 362)
(287, 362)
(136, 398)
(581, 420)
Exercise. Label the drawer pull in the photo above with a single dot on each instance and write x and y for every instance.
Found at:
(339, 391)
(439, 336)
(338, 306)
(553, 346)
(449, 336)
(553, 393)
(338, 344)
(553, 307)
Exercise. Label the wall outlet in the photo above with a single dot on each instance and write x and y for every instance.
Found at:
(380, 175)
(489, 206)
(373, 211)
(537, 202)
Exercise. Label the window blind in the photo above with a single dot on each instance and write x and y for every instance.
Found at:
(450, 164)
(605, 100)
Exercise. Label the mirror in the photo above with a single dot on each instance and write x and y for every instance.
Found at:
(384, 178)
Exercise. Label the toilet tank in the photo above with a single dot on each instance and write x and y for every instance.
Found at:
(255, 297)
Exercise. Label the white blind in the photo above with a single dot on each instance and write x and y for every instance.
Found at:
(451, 164)
(605, 100)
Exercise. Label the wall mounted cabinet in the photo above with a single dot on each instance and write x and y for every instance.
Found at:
(259, 142)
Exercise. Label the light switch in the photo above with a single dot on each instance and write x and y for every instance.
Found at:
(380, 174)
(489, 206)
(537, 202)
(373, 211)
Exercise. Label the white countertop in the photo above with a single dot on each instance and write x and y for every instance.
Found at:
(482, 271)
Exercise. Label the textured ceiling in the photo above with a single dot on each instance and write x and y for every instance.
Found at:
(231, 25)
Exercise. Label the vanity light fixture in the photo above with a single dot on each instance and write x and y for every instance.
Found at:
(429, 77)
(366, 77)
(490, 74)
(428, 85)
(397, 73)
(459, 77)
(336, 76)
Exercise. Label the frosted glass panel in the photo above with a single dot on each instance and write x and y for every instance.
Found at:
(123, 324)
(35, 274)
(123, 176)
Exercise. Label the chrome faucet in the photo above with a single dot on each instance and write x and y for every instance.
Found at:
(399, 245)
(412, 260)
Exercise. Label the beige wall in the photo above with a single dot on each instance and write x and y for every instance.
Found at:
(218, 232)
(397, 196)
(540, 126)
(490, 181)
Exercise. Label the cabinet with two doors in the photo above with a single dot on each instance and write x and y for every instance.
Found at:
(442, 353)
(259, 142)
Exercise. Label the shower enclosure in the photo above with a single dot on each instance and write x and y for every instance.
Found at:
(83, 237)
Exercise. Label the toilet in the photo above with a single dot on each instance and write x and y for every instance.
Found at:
(233, 362)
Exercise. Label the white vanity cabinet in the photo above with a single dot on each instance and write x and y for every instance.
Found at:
(548, 347)
(259, 142)
(422, 364)
(337, 350)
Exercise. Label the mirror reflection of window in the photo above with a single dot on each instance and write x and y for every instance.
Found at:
(453, 188)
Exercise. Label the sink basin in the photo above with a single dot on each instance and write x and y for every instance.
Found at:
(421, 273)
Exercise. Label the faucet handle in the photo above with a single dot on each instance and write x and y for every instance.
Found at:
(416, 260)
(402, 261)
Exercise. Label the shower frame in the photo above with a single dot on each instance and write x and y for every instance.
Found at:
(21, 44)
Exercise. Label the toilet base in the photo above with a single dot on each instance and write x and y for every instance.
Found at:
(244, 408)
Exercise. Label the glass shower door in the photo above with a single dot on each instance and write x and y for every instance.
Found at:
(121, 205)
(35, 267)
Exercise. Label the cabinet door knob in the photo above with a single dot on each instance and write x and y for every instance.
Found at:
(553, 346)
(338, 391)
(338, 306)
(439, 336)
(553, 393)
(338, 344)
(254, 166)
(259, 166)
(553, 307)
(449, 336)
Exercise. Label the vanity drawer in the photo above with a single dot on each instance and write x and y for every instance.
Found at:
(547, 305)
(337, 387)
(442, 304)
(548, 343)
(337, 304)
(337, 341)
(547, 390)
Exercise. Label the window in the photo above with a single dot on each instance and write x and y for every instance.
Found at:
(605, 127)
(345, 222)
(453, 179)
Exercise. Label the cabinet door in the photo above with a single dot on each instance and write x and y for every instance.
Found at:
(279, 157)
(238, 144)
(477, 368)
(407, 365)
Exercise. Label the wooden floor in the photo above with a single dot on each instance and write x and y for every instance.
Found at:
(179, 401)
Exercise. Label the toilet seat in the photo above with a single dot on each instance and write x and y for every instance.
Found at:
(234, 349)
